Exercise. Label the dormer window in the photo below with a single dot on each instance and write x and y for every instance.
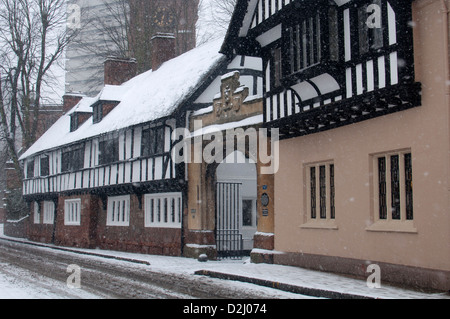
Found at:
(77, 119)
(74, 122)
(98, 113)
(101, 109)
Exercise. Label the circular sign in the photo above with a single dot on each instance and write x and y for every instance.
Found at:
(265, 199)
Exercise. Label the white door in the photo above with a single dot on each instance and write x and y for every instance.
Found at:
(238, 169)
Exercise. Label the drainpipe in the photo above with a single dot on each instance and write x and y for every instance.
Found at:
(445, 20)
(445, 23)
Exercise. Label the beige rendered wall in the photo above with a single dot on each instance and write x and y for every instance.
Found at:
(424, 130)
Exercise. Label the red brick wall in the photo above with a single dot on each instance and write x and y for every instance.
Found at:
(118, 71)
(83, 117)
(93, 231)
(137, 237)
(163, 49)
(108, 107)
(13, 180)
(69, 101)
(39, 232)
(82, 235)
(16, 229)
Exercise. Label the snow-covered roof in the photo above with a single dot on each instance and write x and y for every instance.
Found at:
(84, 106)
(145, 98)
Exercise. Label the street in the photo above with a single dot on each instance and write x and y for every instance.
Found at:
(54, 274)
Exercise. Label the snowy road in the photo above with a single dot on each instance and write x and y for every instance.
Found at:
(27, 271)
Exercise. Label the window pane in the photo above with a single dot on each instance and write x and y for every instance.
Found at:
(152, 212)
(313, 192)
(145, 143)
(395, 187)
(30, 169)
(332, 193)
(158, 210)
(323, 192)
(363, 30)
(45, 166)
(108, 151)
(160, 141)
(305, 43)
(382, 188)
(172, 206)
(408, 187)
(333, 31)
(165, 210)
(247, 213)
(277, 70)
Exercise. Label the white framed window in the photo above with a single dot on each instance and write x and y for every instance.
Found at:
(37, 213)
(49, 212)
(163, 210)
(118, 211)
(72, 212)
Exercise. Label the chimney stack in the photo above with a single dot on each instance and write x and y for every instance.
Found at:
(119, 70)
(163, 49)
(70, 100)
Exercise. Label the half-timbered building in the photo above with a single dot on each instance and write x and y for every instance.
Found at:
(105, 176)
(358, 90)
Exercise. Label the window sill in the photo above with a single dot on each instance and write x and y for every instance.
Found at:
(72, 224)
(164, 226)
(395, 226)
(320, 224)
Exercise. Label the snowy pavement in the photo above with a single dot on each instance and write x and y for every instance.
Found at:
(242, 270)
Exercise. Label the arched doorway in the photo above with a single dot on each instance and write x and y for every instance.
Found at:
(236, 213)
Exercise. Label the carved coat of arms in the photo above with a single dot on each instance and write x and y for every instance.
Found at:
(231, 96)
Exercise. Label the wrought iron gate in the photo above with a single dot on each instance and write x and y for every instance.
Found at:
(228, 219)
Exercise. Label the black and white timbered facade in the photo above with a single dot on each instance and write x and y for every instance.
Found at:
(359, 92)
(104, 174)
(328, 63)
(115, 161)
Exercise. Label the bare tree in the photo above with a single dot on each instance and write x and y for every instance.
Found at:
(32, 38)
(214, 19)
(110, 31)
(168, 16)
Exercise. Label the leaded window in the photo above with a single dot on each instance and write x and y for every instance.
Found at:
(72, 159)
(153, 141)
(312, 39)
(108, 151)
(395, 186)
(321, 191)
(45, 165)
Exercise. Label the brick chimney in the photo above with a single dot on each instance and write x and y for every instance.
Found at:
(70, 100)
(163, 49)
(119, 70)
